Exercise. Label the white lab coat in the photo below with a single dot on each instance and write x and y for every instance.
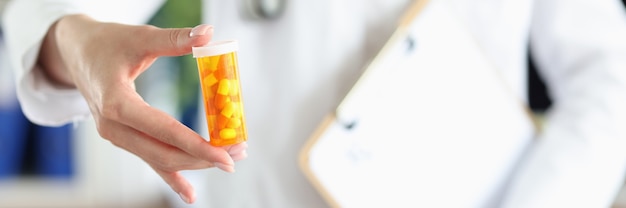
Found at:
(25, 32)
(295, 70)
(7, 89)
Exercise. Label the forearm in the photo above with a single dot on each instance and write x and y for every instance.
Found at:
(579, 159)
(577, 162)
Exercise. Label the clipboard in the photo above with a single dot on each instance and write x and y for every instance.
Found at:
(430, 123)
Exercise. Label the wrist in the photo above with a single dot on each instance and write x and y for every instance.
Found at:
(54, 58)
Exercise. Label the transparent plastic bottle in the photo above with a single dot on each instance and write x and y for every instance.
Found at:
(221, 90)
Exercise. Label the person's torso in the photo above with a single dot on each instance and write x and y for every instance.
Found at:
(296, 69)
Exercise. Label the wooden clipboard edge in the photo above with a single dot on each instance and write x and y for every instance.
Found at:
(409, 16)
(304, 160)
(403, 25)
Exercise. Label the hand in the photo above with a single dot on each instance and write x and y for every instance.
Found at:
(103, 60)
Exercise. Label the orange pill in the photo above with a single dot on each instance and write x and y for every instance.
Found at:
(213, 61)
(208, 92)
(228, 133)
(210, 111)
(233, 123)
(209, 80)
(229, 109)
(221, 100)
(224, 87)
(221, 121)
(226, 62)
(226, 67)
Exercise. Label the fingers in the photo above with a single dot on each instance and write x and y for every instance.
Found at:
(237, 148)
(165, 159)
(239, 156)
(179, 184)
(156, 153)
(238, 152)
(177, 42)
(135, 113)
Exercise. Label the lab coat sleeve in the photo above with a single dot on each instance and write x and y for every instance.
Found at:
(580, 156)
(25, 24)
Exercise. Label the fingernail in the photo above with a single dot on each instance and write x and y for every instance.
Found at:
(224, 167)
(184, 198)
(201, 30)
(237, 148)
(240, 156)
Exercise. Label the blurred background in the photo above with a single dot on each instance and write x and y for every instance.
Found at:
(71, 166)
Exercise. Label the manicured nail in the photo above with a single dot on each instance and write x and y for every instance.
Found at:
(184, 198)
(237, 148)
(201, 30)
(240, 156)
(224, 167)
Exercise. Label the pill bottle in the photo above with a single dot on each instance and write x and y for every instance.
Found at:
(219, 78)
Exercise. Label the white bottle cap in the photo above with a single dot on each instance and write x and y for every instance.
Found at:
(215, 48)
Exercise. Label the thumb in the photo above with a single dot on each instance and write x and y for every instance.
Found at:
(178, 42)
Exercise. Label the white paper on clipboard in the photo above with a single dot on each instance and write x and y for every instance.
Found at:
(429, 124)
